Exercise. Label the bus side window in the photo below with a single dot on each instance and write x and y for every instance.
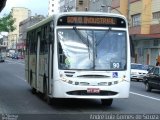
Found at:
(50, 32)
(32, 42)
(27, 44)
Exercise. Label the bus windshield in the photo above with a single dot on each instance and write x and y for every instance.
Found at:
(92, 49)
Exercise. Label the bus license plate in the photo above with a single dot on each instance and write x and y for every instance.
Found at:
(93, 90)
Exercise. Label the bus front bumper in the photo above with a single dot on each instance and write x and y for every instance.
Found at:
(65, 90)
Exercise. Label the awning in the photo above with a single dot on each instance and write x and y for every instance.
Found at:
(145, 36)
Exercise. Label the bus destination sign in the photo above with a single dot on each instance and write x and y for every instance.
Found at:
(92, 21)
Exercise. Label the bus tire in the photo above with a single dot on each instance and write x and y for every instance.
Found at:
(45, 91)
(107, 102)
(33, 90)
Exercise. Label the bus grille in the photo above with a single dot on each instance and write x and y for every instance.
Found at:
(94, 76)
(84, 92)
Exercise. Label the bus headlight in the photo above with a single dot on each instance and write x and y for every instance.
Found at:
(64, 79)
(123, 79)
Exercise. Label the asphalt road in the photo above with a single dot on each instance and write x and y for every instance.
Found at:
(16, 98)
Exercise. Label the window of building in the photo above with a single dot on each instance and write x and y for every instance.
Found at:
(156, 42)
(140, 51)
(136, 20)
(80, 2)
(156, 15)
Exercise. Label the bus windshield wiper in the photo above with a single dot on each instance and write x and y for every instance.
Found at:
(99, 41)
(82, 38)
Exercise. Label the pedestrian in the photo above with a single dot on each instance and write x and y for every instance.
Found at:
(157, 62)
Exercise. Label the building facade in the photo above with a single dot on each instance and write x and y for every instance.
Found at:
(100, 5)
(74, 5)
(144, 27)
(53, 7)
(4, 41)
(19, 14)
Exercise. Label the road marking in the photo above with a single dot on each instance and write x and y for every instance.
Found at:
(17, 62)
(153, 98)
(20, 77)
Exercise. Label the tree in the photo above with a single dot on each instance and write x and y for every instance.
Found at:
(7, 23)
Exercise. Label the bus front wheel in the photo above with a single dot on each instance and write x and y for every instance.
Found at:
(107, 102)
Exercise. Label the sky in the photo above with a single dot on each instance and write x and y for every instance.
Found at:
(36, 6)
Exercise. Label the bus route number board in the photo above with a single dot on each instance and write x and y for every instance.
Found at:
(93, 90)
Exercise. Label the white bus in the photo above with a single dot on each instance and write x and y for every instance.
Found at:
(83, 55)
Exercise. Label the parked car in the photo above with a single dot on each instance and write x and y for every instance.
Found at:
(152, 79)
(21, 56)
(15, 56)
(138, 71)
(148, 67)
